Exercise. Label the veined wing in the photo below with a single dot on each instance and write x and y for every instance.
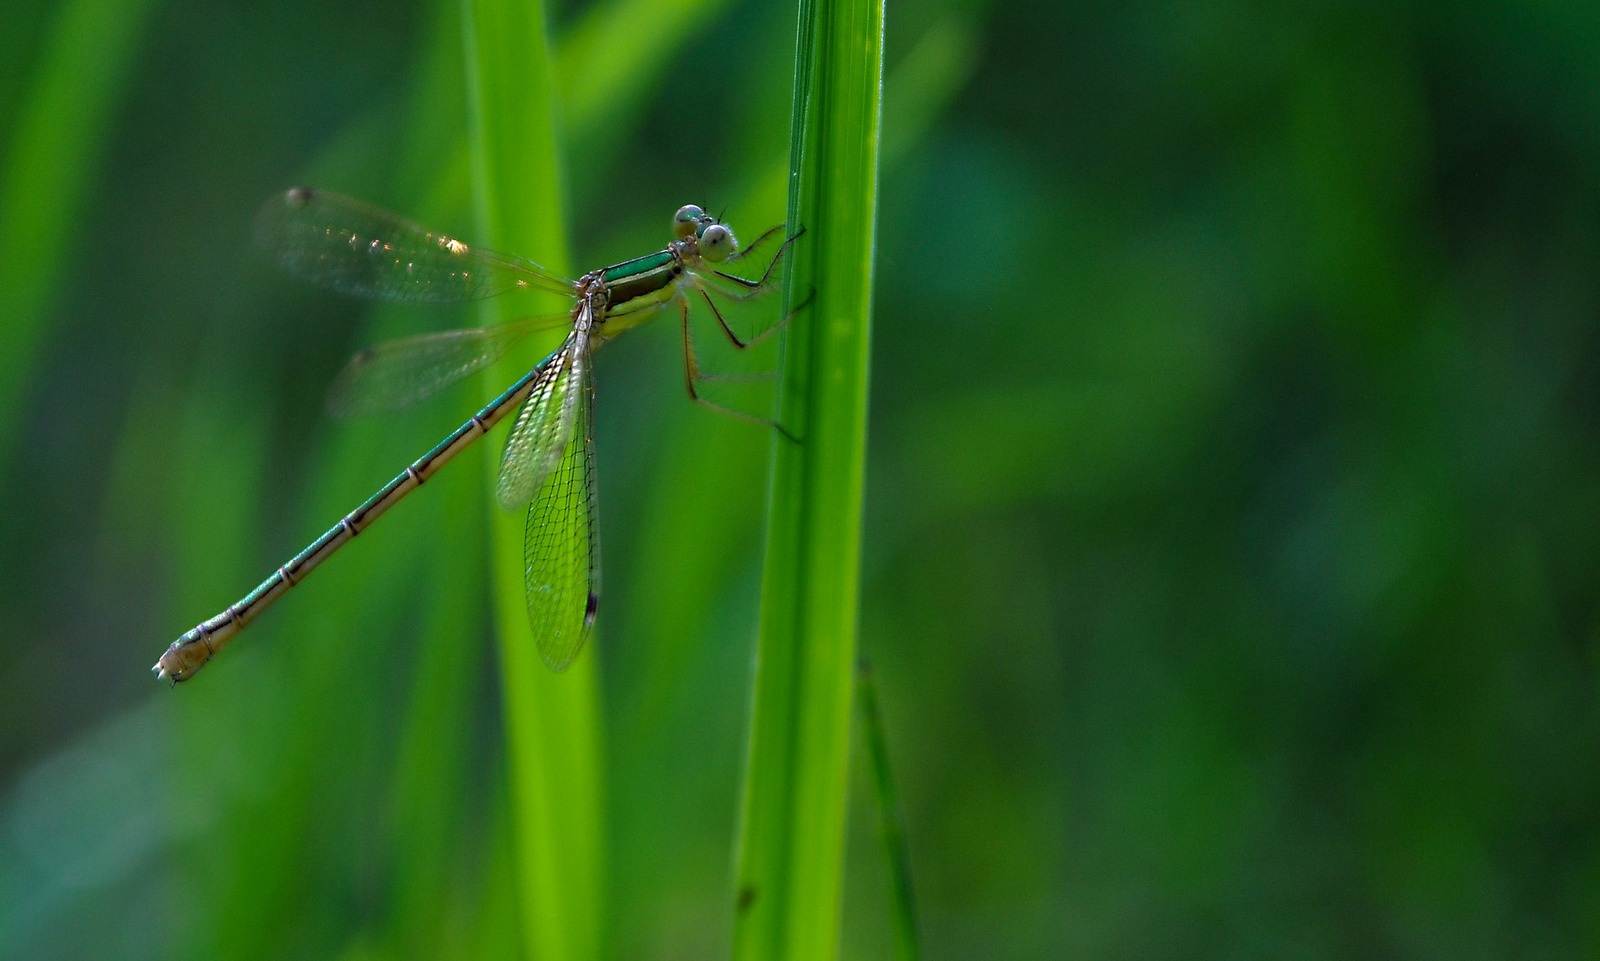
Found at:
(397, 374)
(561, 543)
(356, 248)
(544, 427)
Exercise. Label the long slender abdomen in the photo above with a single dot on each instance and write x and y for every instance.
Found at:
(194, 648)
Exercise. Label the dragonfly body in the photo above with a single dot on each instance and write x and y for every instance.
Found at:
(548, 462)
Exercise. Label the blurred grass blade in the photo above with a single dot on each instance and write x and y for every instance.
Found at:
(608, 71)
(924, 82)
(552, 726)
(49, 164)
(791, 854)
(432, 779)
(891, 824)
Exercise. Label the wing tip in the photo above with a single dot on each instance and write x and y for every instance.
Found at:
(557, 657)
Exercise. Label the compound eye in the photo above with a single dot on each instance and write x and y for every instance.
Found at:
(716, 243)
(686, 220)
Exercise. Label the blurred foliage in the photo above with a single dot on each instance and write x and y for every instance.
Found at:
(1233, 506)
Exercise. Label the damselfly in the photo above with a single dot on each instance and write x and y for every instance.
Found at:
(548, 463)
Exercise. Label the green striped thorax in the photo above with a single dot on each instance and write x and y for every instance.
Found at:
(634, 286)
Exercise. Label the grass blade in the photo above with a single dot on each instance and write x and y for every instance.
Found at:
(552, 726)
(791, 854)
(49, 164)
(891, 823)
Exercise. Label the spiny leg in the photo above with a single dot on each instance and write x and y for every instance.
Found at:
(692, 376)
(732, 337)
(741, 254)
(752, 289)
(760, 285)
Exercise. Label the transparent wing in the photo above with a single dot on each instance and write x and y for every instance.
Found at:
(540, 436)
(397, 374)
(561, 543)
(356, 248)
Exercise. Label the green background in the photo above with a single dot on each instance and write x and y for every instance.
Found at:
(1232, 519)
